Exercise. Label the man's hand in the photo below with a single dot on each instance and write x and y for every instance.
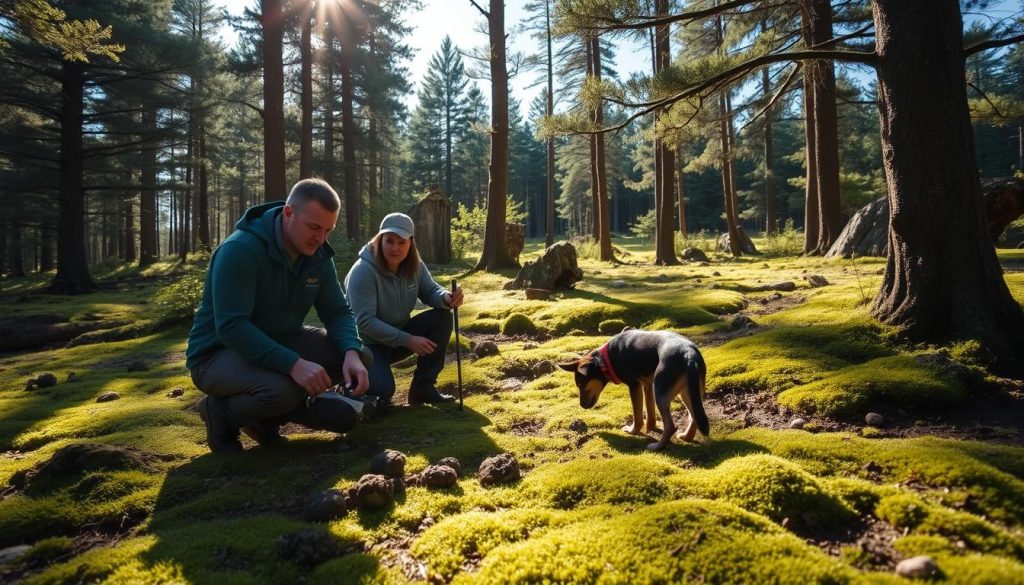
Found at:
(454, 300)
(311, 376)
(420, 345)
(354, 370)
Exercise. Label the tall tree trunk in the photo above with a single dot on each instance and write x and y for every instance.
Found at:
(306, 56)
(128, 248)
(595, 203)
(549, 109)
(328, 39)
(817, 28)
(728, 187)
(348, 132)
(203, 203)
(604, 236)
(495, 253)
(811, 213)
(681, 190)
(72, 266)
(770, 222)
(665, 244)
(187, 235)
(16, 253)
(372, 140)
(45, 248)
(942, 279)
(147, 200)
(274, 182)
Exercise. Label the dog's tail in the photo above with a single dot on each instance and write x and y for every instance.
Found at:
(695, 380)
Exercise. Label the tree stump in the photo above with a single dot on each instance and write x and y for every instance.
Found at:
(432, 215)
(514, 236)
(556, 269)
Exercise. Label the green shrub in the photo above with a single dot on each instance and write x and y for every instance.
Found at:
(469, 224)
(518, 324)
(179, 300)
(788, 241)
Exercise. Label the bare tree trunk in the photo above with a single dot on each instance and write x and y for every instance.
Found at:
(128, 248)
(274, 182)
(353, 208)
(549, 209)
(770, 222)
(495, 253)
(328, 39)
(306, 55)
(45, 248)
(681, 190)
(16, 254)
(811, 213)
(942, 280)
(595, 203)
(203, 204)
(665, 245)
(72, 266)
(147, 195)
(604, 236)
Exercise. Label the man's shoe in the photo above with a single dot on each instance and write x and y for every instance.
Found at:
(428, 396)
(264, 432)
(220, 437)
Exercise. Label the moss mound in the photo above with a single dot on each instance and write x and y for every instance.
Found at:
(912, 512)
(671, 542)
(611, 326)
(518, 324)
(619, 480)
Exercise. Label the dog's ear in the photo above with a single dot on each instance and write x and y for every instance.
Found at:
(569, 366)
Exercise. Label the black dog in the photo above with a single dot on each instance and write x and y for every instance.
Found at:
(657, 366)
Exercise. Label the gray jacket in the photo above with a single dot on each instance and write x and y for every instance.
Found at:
(383, 302)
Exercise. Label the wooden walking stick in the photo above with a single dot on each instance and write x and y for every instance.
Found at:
(458, 345)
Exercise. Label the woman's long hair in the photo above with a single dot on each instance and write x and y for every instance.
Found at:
(408, 267)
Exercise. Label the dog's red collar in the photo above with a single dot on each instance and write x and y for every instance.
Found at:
(606, 365)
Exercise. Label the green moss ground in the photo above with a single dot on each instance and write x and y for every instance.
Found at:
(596, 507)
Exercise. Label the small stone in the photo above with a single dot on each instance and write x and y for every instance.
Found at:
(136, 366)
(325, 506)
(618, 284)
(578, 426)
(108, 397)
(72, 377)
(389, 463)
(816, 280)
(919, 567)
(538, 294)
(661, 277)
(374, 491)
(716, 273)
(176, 392)
(499, 469)
(543, 368)
(874, 419)
(694, 255)
(427, 522)
(45, 380)
(486, 348)
(453, 463)
(13, 553)
(742, 322)
(797, 423)
(438, 476)
(530, 345)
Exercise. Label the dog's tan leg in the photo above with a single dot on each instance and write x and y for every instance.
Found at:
(691, 427)
(637, 400)
(652, 420)
(664, 401)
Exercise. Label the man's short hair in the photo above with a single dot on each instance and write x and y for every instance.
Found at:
(317, 190)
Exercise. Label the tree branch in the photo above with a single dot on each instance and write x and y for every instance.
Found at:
(648, 22)
(992, 44)
(986, 98)
(486, 14)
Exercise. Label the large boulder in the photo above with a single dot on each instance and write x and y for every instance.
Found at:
(866, 234)
(558, 268)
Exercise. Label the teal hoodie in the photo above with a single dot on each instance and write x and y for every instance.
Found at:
(383, 301)
(256, 300)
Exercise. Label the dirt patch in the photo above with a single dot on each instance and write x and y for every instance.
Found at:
(394, 554)
(746, 322)
(868, 545)
(527, 427)
(760, 409)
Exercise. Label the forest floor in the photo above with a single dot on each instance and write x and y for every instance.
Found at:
(837, 500)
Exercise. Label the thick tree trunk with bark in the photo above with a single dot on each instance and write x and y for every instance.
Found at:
(817, 17)
(495, 253)
(147, 199)
(942, 279)
(549, 209)
(72, 266)
(306, 56)
(598, 171)
(274, 182)
(810, 166)
(664, 233)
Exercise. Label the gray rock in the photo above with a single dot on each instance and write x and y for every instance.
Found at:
(374, 491)
(325, 506)
(618, 284)
(538, 294)
(499, 469)
(797, 423)
(874, 419)
(486, 348)
(816, 280)
(742, 322)
(919, 567)
(578, 426)
(108, 397)
(453, 463)
(530, 345)
(389, 463)
(13, 553)
(543, 368)
(307, 547)
(694, 255)
(44, 380)
(176, 392)
(556, 269)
